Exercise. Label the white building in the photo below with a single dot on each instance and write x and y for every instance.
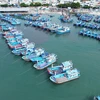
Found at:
(66, 1)
(16, 1)
(3, 2)
(92, 3)
(25, 1)
(12, 1)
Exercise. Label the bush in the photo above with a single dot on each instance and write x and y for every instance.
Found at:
(31, 4)
(75, 5)
(72, 5)
(11, 5)
(24, 5)
(37, 4)
(86, 7)
(95, 7)
(4, 5)
(45, 5)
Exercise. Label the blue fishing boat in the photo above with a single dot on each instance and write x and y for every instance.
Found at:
(98, 37)
(37, 52)
(5, 28)
(47, 26)
(60, 68)
(35, 59)
(18, 51)
(28, 23)
(35, 24)
(94, 35)
(84, 31)
(14, 45)
(29, 49)
(96, 98)
(50, 59)
(63, 30)
(67, 19)
(53, 28)
(85, 17)
(24, 43)
(10, 20)
(89, 33)
(66, 76)
(78, 23)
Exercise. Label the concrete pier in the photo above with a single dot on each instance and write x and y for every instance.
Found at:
(13, 9)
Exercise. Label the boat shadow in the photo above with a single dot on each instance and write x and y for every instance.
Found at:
(63, 35)
(89, 98)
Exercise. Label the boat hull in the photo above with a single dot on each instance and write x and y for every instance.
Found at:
(40, 68)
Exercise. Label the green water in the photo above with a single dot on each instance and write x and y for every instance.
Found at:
(20, 81)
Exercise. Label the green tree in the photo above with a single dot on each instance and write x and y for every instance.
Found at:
(37, 4)
(73, 5)
(24, 5)
(31, 4)
(86, 7)
(4, 5)
(45, 5)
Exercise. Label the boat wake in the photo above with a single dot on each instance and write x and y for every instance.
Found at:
(25, 72)
(41, 74)
(42, 82)
(5, 55)
(16, 61)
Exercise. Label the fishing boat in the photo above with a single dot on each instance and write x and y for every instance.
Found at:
(53, 28)
(84, 31)
(96, 98)
(50, 59)
(24, 42)
(66, 76)
(63, 30)
(14, 45)
(28, 23)
(78, 23)
(60, 68)
(47, 26)
(37, 52)
(29, 49)
(85, 17)
(18, 51)
(65, 19)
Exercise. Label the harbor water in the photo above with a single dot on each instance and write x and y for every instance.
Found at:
(20, 81)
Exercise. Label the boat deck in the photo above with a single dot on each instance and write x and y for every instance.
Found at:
(61, 80)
